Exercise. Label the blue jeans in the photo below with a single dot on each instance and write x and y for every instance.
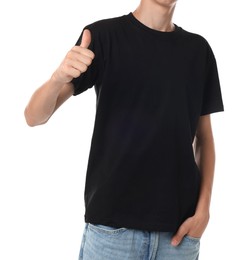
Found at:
(102, 242)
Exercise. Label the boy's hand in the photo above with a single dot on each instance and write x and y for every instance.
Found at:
(76, 61)
(193, 226)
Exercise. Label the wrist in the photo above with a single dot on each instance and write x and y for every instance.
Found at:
(55, 79)
(202, 211)
(55, 82)
(204, 200)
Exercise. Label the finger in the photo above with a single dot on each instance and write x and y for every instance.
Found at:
(73, 73)
(86, 39)
(70, 73)
(83, 51)
(84, 59)
(82, 67)
(178, 237)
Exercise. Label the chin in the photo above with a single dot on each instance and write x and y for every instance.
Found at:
(166, 3)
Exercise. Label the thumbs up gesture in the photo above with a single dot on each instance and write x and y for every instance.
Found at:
(77, 60)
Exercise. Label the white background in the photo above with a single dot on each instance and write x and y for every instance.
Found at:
(43, 168)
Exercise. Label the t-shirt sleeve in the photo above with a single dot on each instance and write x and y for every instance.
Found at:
(212, 97)
(89, 78)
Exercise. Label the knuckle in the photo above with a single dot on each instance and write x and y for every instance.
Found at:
(90, 61)
(88, 53)
(77, 73)
(69, 55)
(84, 67)
(92, 55)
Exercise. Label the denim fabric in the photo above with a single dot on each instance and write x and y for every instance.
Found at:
(102, 242)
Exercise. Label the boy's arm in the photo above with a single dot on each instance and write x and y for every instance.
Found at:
(58, 88)
(45, 100)
(205, 159)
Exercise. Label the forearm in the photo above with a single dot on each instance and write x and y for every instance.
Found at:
(205, 159)
(43, 102)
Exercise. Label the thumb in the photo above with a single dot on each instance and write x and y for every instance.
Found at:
(86, 38)
(178, 237)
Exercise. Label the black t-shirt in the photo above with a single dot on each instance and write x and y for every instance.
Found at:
(151, 88)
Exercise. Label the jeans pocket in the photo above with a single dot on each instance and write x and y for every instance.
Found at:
(189, 247)
(103, 229)
(192, 239)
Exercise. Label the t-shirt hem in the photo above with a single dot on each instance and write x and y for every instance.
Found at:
(130, 224)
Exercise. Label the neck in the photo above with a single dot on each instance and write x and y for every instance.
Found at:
(156, 16)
